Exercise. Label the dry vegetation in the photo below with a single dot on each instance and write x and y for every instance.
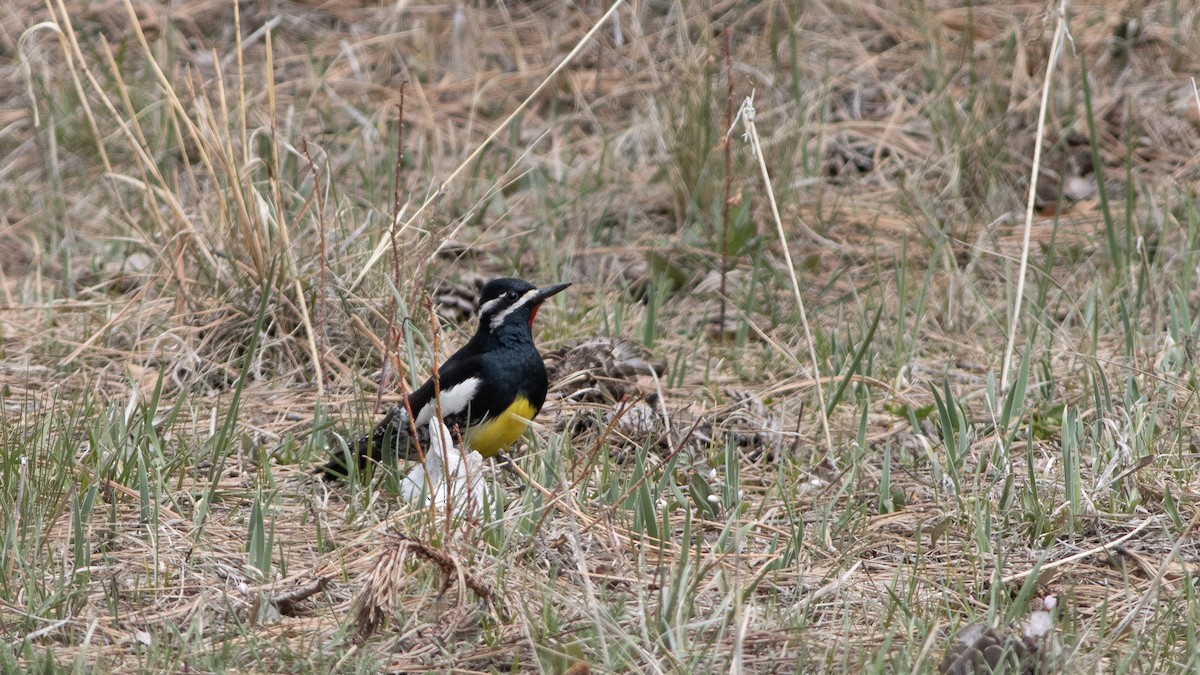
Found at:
(189, 192)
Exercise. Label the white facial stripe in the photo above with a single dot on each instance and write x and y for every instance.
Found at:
(489, 306)
(524, 300)
(456, 399)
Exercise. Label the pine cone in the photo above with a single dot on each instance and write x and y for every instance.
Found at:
(981, 649)
(455, 301)
(601, 368)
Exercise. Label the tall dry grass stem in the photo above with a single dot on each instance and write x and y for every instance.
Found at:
(746, 115)
(319, 299)
(392, 334)
(727, 147)
(1060, 33)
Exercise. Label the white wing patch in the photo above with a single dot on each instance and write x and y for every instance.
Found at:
(456, 399)
(524, 300)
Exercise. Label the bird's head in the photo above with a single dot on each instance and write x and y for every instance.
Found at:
(512, 301)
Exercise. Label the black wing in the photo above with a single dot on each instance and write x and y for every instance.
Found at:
(393, 436)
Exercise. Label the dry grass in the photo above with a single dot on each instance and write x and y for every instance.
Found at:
(188, 193)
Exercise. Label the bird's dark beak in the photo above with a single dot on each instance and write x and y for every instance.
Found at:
(544, 293)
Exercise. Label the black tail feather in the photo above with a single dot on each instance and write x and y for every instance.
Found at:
(391, 438)
(338, 466)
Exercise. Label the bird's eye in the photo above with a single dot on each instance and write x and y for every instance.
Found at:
(510, 295)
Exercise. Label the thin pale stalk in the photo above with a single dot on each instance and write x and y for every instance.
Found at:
(1060, 32)
(746, 114)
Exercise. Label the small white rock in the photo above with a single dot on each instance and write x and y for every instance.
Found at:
(1039, 624)
(447, 474)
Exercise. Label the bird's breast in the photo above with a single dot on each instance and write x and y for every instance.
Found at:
(499, 432)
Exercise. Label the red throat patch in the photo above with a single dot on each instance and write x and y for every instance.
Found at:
(533, 314)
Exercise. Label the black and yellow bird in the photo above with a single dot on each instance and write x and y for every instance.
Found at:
(489, 390)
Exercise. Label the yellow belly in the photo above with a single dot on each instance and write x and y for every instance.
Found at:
(501, 431)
